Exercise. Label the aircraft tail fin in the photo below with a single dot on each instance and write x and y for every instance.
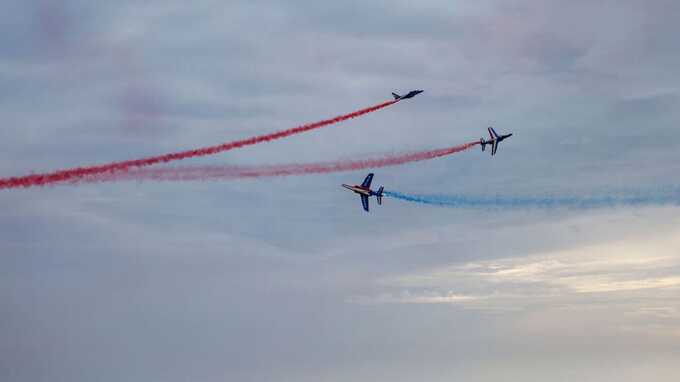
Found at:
(379, 195)
(483, 143)
(396, 96)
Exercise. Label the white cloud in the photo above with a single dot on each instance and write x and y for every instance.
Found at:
(407, 297)
(613, 266)
(627, 283)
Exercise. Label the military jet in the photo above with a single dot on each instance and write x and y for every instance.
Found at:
(494, 141)
(410, 94)
(365, 192)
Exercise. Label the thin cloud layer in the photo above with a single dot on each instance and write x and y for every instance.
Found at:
(633, 282)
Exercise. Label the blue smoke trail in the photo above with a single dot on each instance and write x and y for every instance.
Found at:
(612, 200)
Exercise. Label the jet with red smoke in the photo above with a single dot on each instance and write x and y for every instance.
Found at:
(410, 94)
(494, 140)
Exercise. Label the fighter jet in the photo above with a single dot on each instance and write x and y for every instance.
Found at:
(365, 192)
(410, 94)
(494, 141)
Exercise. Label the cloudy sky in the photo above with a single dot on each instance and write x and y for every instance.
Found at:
(287, 278)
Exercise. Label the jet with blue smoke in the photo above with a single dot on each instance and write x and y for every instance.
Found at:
(640, 198)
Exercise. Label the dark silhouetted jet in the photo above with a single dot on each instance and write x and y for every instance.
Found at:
(410, 94)
(365, 192)
(494, 141)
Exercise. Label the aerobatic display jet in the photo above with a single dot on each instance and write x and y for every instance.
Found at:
(410, 94)
(365, 192)
(494, 141)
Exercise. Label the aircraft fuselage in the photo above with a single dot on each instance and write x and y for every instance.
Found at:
(411, 94)
(499, 139)
(359, 190)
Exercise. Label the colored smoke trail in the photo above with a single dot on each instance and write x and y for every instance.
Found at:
(612, 200)
(230, 172)
(117, 167)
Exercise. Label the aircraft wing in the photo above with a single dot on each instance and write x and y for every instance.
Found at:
(494, 147)
(364, 202)
(367, 181)
(493, 133)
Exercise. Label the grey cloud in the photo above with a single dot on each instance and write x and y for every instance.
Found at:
(249, 280)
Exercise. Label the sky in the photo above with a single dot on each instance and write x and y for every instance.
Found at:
(287, 278)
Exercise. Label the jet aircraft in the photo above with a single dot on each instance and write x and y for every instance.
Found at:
(365, 192)
(494, 140)
(410, 94)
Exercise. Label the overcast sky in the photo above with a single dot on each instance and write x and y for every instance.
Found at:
(287, 278)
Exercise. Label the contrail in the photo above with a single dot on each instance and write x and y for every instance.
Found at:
(203, 173)
(118, 167)
(611, 200)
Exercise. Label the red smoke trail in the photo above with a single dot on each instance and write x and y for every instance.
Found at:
(76, 173)
(230, 172)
